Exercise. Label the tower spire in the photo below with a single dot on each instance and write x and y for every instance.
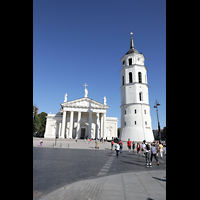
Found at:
(131, 44)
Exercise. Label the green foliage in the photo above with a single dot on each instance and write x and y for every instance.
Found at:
(39, 123)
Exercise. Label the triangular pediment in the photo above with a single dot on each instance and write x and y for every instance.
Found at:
(84, 103)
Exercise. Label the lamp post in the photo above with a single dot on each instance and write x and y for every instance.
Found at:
(156, 106)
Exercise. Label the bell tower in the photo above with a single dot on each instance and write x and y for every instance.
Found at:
(135, 109)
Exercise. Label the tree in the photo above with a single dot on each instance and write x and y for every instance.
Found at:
(39, 122)
(42, 117)
(36, 124)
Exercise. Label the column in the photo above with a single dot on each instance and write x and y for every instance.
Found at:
(97, 126)
(78, 135)
(104, 126)
(63, 124)
(59, 130)
(101, 125)
(71, 124)
(90, 124)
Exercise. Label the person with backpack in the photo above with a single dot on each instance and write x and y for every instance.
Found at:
(121, 146)
(147, 154)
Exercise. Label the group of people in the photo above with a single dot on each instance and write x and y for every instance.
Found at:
(148, 151)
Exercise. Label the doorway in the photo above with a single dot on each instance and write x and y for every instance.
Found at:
(82, 133)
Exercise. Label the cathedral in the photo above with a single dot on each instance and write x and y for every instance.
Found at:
(135, 109)
(81, 118)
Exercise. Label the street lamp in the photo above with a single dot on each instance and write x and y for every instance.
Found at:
(156, 106)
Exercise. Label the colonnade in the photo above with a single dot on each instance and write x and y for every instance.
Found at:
(100, 121)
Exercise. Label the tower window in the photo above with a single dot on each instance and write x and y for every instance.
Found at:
(145, 112)
(135, 122)
(140, 96)
(140, 77)
(125, 112)
(145, 123)
(122, 80)
(130, 77)
(135, 111)
(130, 61)
(125, 123)
(123, 62)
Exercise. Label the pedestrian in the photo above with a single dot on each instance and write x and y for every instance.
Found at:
(129, 145)
(143, 148)
(117, 149)
(164, 147)
(96, 142)
(41, 142)
(138, 148)
(121, 146)
(157, 148)
(153, 153)
(147, 153)
(133, 143)
(112, 143)
(161, 150)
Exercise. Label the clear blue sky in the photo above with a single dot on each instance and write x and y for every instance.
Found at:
(77, 42)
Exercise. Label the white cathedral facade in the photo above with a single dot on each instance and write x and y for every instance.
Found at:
(135, 109)
(81, 118)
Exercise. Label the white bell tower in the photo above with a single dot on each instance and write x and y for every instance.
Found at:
(135, 109)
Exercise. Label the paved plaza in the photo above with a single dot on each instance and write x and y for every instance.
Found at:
(76, 170)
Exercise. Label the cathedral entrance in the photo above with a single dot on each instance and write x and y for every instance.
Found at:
(82, 133)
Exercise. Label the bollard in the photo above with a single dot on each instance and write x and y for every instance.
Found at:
(60, 145)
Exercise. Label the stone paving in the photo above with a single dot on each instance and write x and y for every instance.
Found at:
(139, 185)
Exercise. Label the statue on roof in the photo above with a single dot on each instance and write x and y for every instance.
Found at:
(65, 100)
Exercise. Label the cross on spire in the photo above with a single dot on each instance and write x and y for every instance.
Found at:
(85, 85)
(131, 44)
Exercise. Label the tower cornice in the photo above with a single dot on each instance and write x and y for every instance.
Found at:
(133, 66)
(128, 84)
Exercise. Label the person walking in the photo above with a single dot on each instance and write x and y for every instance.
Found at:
(41, 142)
(112, 143)
(157, 148)
(164, 148)
(153, 153)
(117, 149)
(143, 148)
(121, 146)
(138, 148)
(161, 150)
(147, 154)
(133, 143)
(96, 142)
(129, 145)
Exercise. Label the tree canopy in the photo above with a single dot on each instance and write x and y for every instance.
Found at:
(39, 123)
